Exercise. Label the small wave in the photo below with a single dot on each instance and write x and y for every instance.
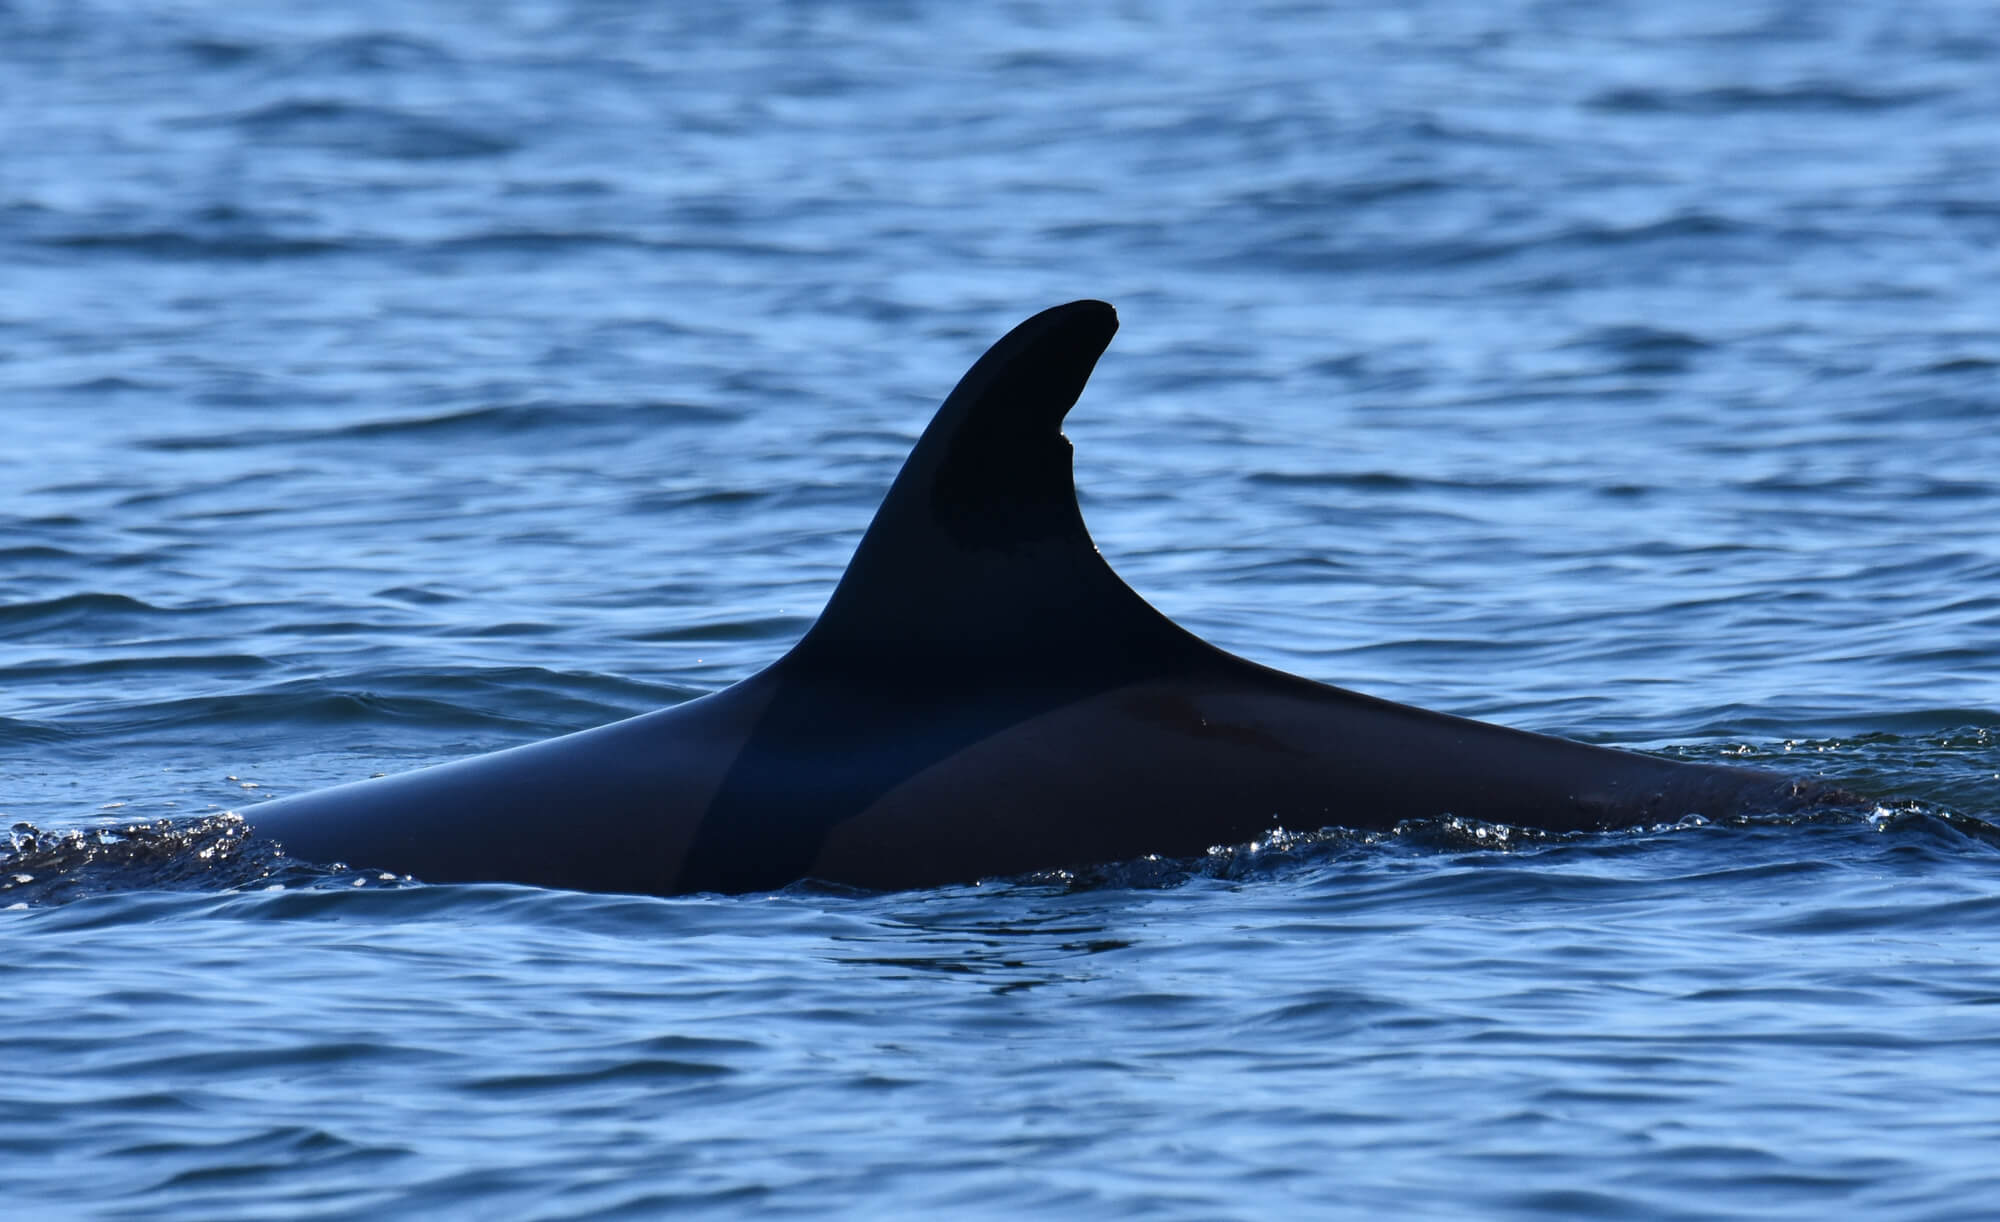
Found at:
(651, 1073)
(1962, 364)
(1323, 249)
(37, 551)
(1319, 197)
(1684, 225)
(511, 629)
(1370, 373)
(352, 127)
(781, 627)
(152, 664)
(499, 706)
(1642, 341)
(16, 731)
(305, 708)
(416, 596)
(212, 52)
(686, 498)
(527, 417)
(1785, 482)
(566, 241)
(101, 611)
(562, 188)
(543, 241)
(1048, 63)
(584, 695)
(1389, 481)
(374, 52)
(1805, 96)
(111, 384)
(181, 244)
(495, 421)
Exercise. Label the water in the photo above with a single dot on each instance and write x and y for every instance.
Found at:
(380, 385)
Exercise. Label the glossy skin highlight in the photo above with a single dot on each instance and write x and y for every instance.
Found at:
(982, 696)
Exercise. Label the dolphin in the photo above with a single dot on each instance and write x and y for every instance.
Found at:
(981, 697)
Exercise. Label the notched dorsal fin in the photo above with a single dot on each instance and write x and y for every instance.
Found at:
(994, 464)
(979, 548)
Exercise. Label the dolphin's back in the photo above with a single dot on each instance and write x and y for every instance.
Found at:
(981, 695)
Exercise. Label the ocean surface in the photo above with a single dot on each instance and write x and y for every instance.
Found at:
(385, 383)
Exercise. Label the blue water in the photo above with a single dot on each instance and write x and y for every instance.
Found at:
(381, 384)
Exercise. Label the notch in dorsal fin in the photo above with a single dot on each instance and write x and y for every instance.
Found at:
(979, 550)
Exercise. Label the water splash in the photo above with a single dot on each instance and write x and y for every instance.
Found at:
(40, 867)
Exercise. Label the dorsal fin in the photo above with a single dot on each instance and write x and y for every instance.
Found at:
(975, 602)
(979, 550)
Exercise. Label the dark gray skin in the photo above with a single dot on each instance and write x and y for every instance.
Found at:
(982, 696)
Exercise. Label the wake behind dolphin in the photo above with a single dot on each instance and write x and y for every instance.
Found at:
(981, 696)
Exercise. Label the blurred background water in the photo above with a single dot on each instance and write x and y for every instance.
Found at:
(386, 383)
